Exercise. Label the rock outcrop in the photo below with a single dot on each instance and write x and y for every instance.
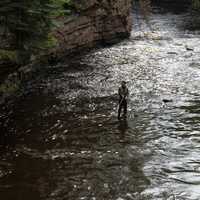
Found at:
(96, 21)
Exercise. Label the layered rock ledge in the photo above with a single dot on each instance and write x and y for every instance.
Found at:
(96, 21)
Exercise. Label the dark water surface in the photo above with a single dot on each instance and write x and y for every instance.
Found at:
(65, 140)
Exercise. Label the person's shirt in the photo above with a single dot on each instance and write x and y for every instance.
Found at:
(123, 92)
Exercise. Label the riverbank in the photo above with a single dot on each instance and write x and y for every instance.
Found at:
(94, 24)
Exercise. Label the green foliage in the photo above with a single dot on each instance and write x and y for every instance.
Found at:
(50, 42)
(63, 7)
(8, 55)
(196, 4)
(194, 23)
(28, 23)
(9, 88)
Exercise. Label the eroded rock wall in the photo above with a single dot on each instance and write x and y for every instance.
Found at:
(96, 21)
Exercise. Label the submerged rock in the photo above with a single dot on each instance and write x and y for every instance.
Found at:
(172, 52)
(167, 100)
(188, 48)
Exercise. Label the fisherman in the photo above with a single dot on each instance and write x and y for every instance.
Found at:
(123, 95)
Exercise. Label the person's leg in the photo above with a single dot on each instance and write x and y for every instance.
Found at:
(125, 107)
(120, 108)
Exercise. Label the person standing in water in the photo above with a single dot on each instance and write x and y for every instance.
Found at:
(123, 95)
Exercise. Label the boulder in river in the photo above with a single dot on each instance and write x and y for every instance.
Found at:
(167, 100)
(188, 48)
(172, 52)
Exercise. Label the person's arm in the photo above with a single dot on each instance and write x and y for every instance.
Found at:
(127, 94)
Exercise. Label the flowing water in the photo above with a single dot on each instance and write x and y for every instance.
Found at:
(65, 142)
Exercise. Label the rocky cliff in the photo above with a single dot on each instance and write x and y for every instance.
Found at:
(96, 21)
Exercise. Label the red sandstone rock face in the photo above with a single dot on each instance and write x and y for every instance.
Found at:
(98, 21)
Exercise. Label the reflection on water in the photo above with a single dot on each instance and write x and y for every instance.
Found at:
(123, 126)
(65, 141)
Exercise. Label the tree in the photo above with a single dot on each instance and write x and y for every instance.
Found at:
(26, 24)
(196, 5)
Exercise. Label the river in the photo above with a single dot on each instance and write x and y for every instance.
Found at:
(63, 140)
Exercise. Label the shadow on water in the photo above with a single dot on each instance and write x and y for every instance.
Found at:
(123, 126)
